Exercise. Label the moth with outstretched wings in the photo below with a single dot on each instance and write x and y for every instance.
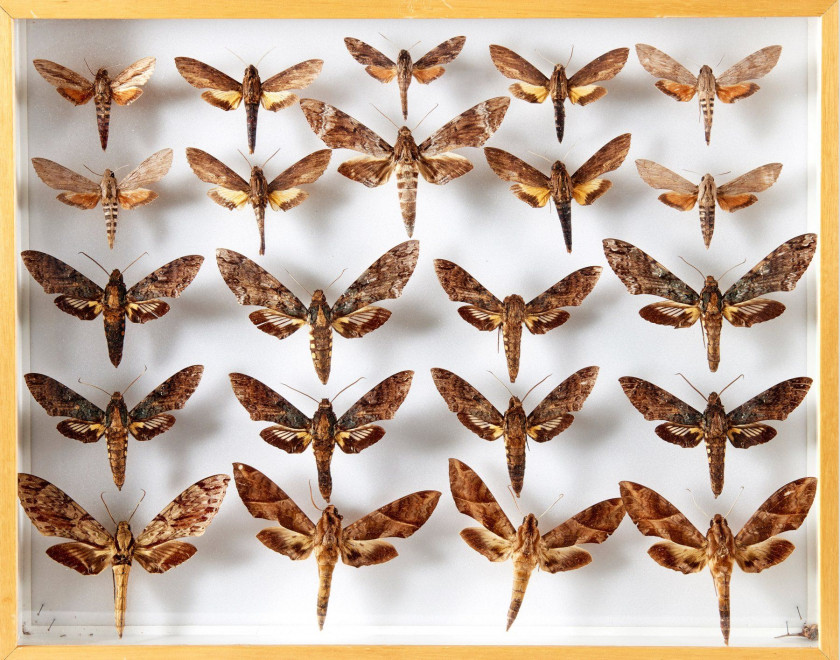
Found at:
(358, 544)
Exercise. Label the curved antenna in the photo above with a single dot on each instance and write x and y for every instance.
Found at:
(413, 45)
(694, 267)
(335, 280)
(270, 157)
(503, 385)
(102, 497)
(246, 158)
(570, 55)
(92, 172)
(697, 505)
(550, 63)
(535, 386)
(94, 386)
(566, 155)
(733, 503)
(263, 55)
(722, 173)
(551, 507)
(424, 116)
(539, 156)
(728, 269)
(515, 501)
(236, 56)
(312, 497)
(720, 60)
(134, 262)
(386, 116)
(299, 392)
(88, 68)
(298, 283)
(145, 369)
(692, 172)
(137, 507)
(385, 38)
(347, 388)
(705, 398)
(724, 389)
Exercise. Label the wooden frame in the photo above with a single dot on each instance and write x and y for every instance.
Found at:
(828, 547)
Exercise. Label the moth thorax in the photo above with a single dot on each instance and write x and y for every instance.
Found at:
(108, 186)
(528, 533)
(514, 417)
(707, 187)
(721, 541)
(116, 404)
(259, 186)
(561, 182)
(324, 420)
(251, 85)
(405, 149)
(102, 83)
(404, 60)
(514, 306)
(115, 289)
(558, 85)
(705, 70)
(124, 539)
(329, 526)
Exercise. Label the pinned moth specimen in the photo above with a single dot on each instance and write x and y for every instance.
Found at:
(226, 93)
(93, 548)
(555, 551)
(293, 431)
(486, 312)
(740, 304)
(358, 544)
(550, 418)
(122, 90)
(580, 89)
(82, 298)
(584, 186)
(83, 193)
(431, 158)
(88, 422)
(425, 70)
(730, 86)
(686, 427)
(810, 631)
(282, 193)
(731, 196)
(754, 548)
(352, 315)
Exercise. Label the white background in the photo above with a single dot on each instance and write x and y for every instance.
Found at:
(438, 590)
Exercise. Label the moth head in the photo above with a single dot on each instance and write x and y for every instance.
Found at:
(404, 132)
(718, 523)
(331, 515)
(711, 281)
(708, 181)
(705, 70)
(558, 172)
(714, 399)
(324, 404)
(102, 74)
(404, 58)
(123, 530)
(318, 297)
(108, 174)
(530, 525)
(251, 72)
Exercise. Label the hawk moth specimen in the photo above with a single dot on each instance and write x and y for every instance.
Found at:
(584, 186)
(226, 93)
(294, 432)
(486, 312)
(740, 304)
(754, 548)
(556, 550)
(85, 300)
(358, 544)
(550, 418)
(431, 158)
(810, 631)
(686, 427)
(425, 70)
(353, 314)
(731, 196)
(282, 193)
(93, 548)
(730, 86)
(580, 89)
(122, 90)
(88, 423)
(83, 193)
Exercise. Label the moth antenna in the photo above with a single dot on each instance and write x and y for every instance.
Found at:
(264, 54)
(697, 505)
(133, 262)
(335, 280)
(535, 386)
(312, 497)
(720, 60)
(733, 503)
(298, 283)
(412, 46)
(246, 158)
(236, 56)
(534, 153)
(347, 388)
(566, 155)
(385, 38)
(705, 398)
(570, 55)
(691, 172)
(424, 117)
(503, 385)
(722, 173)
(551, 507)
(88, 68)
(145, 369)
(515, 501)
(299, 392)
(798, 612)
(550, 63)
(137, 507)
(724, 389)
(102, 497)
(694, 267)
(270, 157)
(728, 269)
(92, 172)
(94, 386)
(386, 116)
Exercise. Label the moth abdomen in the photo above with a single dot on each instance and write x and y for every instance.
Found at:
(251, 110)
(707, 222)
(521, 575)
(103, 120)
(716, 453)
(325, 571)
(121, 572)
(111, 210)
(407, 191)
(117, 441)
(564, 213)
(559, 118)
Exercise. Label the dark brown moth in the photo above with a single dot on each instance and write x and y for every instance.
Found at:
(122, 90)
(740, 304)
(431, 158)
(584, 186)
(551, 416)
(580, 89)
(358, 544)
(282, 193)
(730, 86)
(82, 298)
(293, 431)
(810, 631)
(486, 312)
(83, 193)
(226, 93)
(686, 427)
(754, 548)
(425, 70)
(352, 315)
(93, 548)
(88, 422)
(556, 550)
(731, 196)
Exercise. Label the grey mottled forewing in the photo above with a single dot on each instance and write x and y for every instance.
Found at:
(168, 281)
(661, 178)
(171, 394)
(463, 399)
(266, 405)
(57, 277)
(460, 286)
(368, 55)
(264, 499)
(252, 285)
(658, 64)
(776, 402)
(381, 402)
(515, 67)
(297, 76)
(753, 66)
(510, 168)
(201, 75)
(58, 399)
(568, 292)
(761, 178)
(606, 159)
(62, 77)
(471, 128)
(61, 178)
(339, 130)
(640, 273)
(211, 170)
(154, 168)
(568, 396)
(655, 403)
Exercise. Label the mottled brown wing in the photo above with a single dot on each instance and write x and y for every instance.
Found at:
(460, 286)
(656, 516)
(640, 273)
(530, 185)
(757, 180)
(266, 405)
(75, 88)
(264, 499)
(776, 402)
(171, 394)
(307, 170)
(661, 178)
(376, 64)
(778, 271)
(605, 67)
(473, 498)
(339, 130)
(168, 281)
(606, 159)
(298, 76)
(551, 416)
(543, 313)
(60, 400)
(125, 88)
(592, 525)
(59, 177)
(472, 128)
(655, 403)
(381, 402)
(154, 168)
(753, 66)
(534, 85)
(429, 67)
(473, 409)
(658, 64)
(79, 296)
(211, 170)
(201, 75)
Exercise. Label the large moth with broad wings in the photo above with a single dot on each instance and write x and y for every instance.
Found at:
(580, 88)
(226, 93)
(93, 548)
(551, 416)
(731, 196)
(83, 193)
(358, 544)
(282, 193)
(82, 298)
(425, 70)
(352, 315)
(687, 427)
(431, 158)
(740, 304)
(88, 422)
(730, 86)
(122, 90)
(584, 186)
(293, 431)
(486, 312)
(687, 550)
(498, 540)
